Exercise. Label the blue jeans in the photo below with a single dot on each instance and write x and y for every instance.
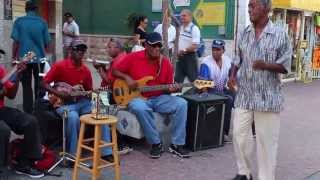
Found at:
(83, 106)
(176, 107)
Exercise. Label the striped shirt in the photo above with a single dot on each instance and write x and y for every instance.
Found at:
(260, 90)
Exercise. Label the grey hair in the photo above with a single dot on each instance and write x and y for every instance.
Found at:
(118, 42)
(266, 3)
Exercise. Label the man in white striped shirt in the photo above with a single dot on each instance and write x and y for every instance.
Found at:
(263, 53)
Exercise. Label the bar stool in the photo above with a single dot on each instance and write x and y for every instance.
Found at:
(98, 163)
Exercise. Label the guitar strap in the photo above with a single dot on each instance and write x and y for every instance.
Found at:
(160, 66)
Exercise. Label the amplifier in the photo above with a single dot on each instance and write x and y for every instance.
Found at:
(205, 121)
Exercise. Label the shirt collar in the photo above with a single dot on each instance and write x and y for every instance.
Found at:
(31, 13)
(71, 65)
(269, 29)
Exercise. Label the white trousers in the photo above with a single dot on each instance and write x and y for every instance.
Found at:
(267, 125)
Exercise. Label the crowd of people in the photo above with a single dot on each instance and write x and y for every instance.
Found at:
(250, 82)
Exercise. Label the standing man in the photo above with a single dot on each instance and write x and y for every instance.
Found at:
(21, 123)
(70, 32)
(30, 33)
(73, 72)
(263, 54)
(150, 62)
(216, 67)
(189, 40)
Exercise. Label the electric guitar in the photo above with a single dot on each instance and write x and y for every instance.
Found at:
(26, 58)
(74, 91)
(123, 95)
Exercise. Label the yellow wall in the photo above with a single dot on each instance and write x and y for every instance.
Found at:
(310, 5)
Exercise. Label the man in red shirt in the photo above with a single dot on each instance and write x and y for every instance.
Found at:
(150, 62)
(73, 72)
(21, 123)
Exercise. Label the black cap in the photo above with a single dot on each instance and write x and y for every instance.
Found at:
(78, 44)
(30, 5)
(68, 14)
(218, 44)
(2, 51)
(154, 38)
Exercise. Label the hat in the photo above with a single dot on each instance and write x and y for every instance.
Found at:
(67, 14)
(30, 5)
(154, 38)
(78, 44)
(218, 44)
(2, 51)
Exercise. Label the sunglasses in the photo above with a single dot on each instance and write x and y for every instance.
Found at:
(159, 45)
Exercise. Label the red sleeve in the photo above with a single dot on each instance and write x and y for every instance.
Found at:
(52, 75)
(88, 81)
(7, 84)
(125, 64)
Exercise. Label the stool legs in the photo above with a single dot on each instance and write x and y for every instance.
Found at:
(96, 152)
(79, 150)
(115, 152)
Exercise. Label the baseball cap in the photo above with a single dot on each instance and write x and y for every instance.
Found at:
(218, 44)
(67, 14)
(154, 38)
(78, 45)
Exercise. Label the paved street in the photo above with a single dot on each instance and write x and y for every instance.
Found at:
(299, 149)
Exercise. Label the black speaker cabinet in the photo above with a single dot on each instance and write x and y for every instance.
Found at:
(205, 121)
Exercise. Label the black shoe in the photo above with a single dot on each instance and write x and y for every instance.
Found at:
(241, 177)
(156, 151)
(29, 171)
(108, 158)
(179, 151)
(124, 149)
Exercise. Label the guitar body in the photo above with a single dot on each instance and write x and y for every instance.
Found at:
(122, 94)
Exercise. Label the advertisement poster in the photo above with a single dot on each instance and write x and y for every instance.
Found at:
(316, 59)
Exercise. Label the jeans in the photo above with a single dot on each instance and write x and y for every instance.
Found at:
(83, 106)
(229, 105)
(22, 124)
(176, 107)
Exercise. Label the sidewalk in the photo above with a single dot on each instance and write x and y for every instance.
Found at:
(299, 149)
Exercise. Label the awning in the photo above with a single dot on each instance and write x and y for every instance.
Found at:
(306, 5)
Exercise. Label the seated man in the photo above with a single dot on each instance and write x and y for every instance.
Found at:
(21, 123)
(216, 67)
(73, 72)
(150, 62)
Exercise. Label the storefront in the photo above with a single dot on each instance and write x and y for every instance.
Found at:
(299, 18)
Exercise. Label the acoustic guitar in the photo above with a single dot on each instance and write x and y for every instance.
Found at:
(28, 57)
(122, 94)
(74, 91)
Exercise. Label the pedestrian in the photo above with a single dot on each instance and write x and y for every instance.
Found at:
(30, 33)
(140, 30)
(263, 53)
(70, 32)
(189, 40)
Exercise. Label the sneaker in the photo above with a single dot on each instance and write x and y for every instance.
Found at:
(241, 177)
(29, 171)
(179, 151)
(156, 151)
(227, 139)
(124, 149)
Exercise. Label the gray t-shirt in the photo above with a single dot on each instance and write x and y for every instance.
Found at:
(71, 28)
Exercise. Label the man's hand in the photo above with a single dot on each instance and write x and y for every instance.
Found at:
(259, 65)
(181, 52)
(174, 88)
(232, 84)
(132, 83)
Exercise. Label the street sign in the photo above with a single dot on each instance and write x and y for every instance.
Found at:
(210, 13)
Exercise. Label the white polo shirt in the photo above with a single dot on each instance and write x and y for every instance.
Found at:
(189, 35)
(72, 28)
(171, 34)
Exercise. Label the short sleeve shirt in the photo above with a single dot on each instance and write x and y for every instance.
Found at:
(72, 28)
(189, 35)
(261, 90)
(66, 71)
(31, 32)
(137, 66)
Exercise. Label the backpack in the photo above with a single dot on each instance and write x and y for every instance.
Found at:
(201, 47)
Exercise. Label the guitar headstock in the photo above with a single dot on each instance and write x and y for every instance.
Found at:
(200, 84)
(29, 56)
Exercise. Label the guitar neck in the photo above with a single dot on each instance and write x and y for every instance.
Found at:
(164, 87)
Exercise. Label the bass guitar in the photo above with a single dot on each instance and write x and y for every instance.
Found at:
(122, 94)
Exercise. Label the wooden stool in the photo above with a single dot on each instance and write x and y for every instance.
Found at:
(98, 163)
